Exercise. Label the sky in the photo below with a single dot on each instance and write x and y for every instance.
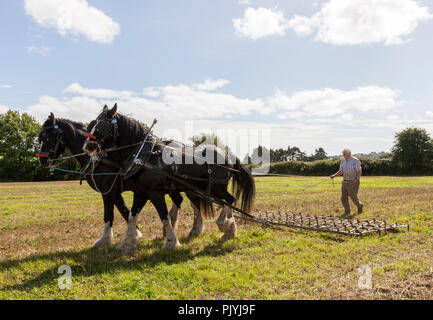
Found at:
(333, 73)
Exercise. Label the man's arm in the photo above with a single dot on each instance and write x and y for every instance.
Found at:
(358, 171)
(337, 174)
(358, 175)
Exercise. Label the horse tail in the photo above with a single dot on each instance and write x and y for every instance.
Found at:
(243, 186)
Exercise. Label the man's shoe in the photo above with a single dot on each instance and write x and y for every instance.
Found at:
(360, 209)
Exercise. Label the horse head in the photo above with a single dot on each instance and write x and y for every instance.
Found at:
(51, 139)
(103, 131)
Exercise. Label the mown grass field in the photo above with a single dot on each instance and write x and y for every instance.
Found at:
(46, 225)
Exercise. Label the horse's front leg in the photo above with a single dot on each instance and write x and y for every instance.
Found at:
(130, 242)
(124, 211)
(107, 234)
(158, 201)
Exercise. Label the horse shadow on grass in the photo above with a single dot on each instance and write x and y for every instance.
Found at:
(89, 262)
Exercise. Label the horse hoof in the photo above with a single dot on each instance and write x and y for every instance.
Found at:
(126, 248)
(231, 233)
(138, 235)
(102, 243)
(193, 233)
(172, 245)
(228, 236)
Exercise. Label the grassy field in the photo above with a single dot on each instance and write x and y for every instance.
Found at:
(46, 225)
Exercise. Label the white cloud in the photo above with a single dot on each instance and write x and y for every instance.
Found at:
(343, 22)
(356, 117)
(74, 17)
(5, 86)
(151, 92)
(76, 88)
(259, 23)
(211, 85)
(291, 115)
(77, 108)
(330, 102)
(244, 2)
(196, 102)
(429, 114)
(3, 108)
(347, 116)
(190, 103)
(180, 102)
(303, 25)
(42, 51)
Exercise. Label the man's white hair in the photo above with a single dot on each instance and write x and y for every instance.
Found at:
(347, 151)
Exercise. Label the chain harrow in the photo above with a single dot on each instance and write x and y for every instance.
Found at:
(330, 224)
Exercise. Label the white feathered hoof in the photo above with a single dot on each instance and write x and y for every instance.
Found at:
(138, 235)
(230, 230)
(127, 247)
(172, 245)
(106, 238)
(195, 232)
(103, 242)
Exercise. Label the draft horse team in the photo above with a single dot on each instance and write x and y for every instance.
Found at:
(121, 155)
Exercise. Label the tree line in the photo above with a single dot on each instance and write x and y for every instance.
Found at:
(18, 146)
(412, 154)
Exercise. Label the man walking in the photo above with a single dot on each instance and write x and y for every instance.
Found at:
(350, 169)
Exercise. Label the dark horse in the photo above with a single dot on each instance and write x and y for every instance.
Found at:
(153, 181)
(59, 135)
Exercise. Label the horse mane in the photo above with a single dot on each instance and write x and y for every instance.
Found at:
(134, 130)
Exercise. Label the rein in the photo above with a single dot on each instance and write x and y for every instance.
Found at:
(46, 155)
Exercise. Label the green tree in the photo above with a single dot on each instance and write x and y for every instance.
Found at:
(413, 150)
(319, 154)
(18, 145)
(295, 154)
(278, 155)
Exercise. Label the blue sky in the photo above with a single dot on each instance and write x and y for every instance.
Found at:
(329, 73)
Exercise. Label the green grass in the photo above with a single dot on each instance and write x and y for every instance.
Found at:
(46, 225)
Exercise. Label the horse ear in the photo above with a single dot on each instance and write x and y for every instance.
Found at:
(105, 109)
(113, 111)
(52, 118)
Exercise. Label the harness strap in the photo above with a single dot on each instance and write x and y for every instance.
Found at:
(198, 191)
(186, 177)
(110, 163)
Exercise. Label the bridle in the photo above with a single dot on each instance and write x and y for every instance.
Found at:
(105, 127)
(52, 154)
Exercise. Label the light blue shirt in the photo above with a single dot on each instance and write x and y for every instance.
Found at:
(349, 168)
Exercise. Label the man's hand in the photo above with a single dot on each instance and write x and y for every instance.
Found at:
(355, 180)
(333, 176)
